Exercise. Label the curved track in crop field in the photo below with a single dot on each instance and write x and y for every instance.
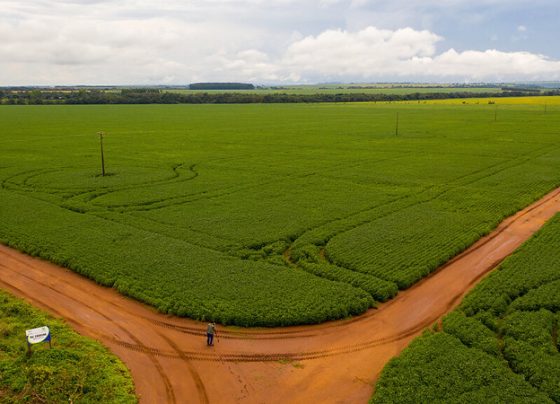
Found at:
(332, 362)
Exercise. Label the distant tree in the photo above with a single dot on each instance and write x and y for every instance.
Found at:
(157, 96)
(221, 86)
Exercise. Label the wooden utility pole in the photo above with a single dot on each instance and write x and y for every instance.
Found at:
(397, 127)
(101, 134)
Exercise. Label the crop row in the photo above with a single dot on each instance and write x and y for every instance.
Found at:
(262, 214)
(173, 275)
(499, 345)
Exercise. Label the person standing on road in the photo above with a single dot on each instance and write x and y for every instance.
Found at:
(210, 332)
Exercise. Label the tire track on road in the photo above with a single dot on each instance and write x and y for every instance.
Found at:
(339, 352)
(168, 388)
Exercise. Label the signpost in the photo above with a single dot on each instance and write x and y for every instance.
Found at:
(38, 335)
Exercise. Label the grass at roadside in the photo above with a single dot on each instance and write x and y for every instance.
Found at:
(76, 369)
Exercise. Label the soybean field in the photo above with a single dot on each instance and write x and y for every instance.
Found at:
(500, 345)
(263, 215)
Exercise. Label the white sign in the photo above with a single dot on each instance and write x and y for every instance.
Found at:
(37, 335)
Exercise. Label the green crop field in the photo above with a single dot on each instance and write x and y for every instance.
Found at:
(75, 370)
(261, 215)
(351, 89)
(501, 344)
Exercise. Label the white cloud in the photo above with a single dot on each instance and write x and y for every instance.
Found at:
(135, 42)
(373, 54)
(494, 65)
(364, 54)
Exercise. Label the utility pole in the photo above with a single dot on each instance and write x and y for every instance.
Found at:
(101, 134)
(397, 127)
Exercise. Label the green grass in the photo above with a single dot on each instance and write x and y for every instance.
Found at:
(261, 215)
(76, 369)
(500, 345)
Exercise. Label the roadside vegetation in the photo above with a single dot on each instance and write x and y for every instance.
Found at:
(76, 369)
(266, 215)
(500, 345)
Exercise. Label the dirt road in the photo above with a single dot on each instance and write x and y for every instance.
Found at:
(333, 363)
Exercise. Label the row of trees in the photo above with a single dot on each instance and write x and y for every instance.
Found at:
(155, 96)
(221, 86)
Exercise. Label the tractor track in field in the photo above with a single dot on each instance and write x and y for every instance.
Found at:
(332, 362)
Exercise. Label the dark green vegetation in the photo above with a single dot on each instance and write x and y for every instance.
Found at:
(267, 214)
(501, 344)
(221, 86)
(197, 95)
(76, 369)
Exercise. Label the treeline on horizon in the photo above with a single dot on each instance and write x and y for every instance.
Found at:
(221, 86)
(157, 96)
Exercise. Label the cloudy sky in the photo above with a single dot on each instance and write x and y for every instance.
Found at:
(49, 42)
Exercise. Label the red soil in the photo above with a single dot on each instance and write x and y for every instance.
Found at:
(333, 362)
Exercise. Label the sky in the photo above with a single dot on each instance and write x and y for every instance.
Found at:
(177, 42)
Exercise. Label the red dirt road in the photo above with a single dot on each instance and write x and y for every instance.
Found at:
(334, 362)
